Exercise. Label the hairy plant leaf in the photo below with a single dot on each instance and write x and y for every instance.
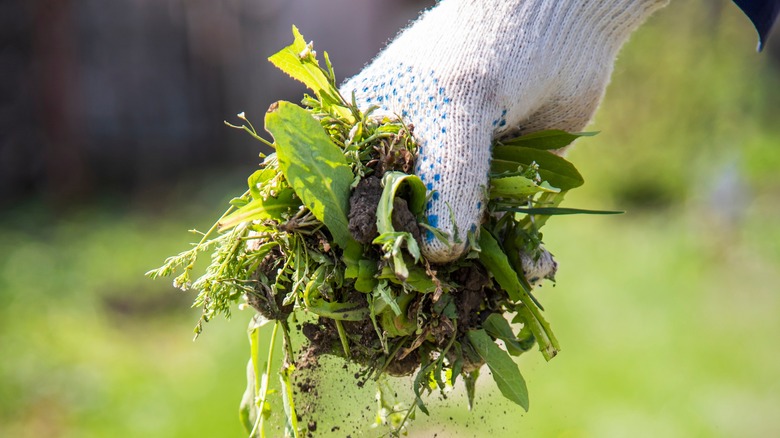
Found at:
(505, 372)
(552, 168)
(516, 186)
(262, 209)
(546, 140)
(315, 167)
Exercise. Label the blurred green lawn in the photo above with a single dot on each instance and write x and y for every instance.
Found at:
(668, 315)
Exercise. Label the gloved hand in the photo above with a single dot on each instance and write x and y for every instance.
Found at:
(469, 71)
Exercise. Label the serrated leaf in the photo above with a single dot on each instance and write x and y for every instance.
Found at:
(552, 168)
(546, 140)
(505, 372)
(299, 61)
(313, 166)
(516, 186)
(262, 209)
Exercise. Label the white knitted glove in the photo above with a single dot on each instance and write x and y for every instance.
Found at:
(469, 71)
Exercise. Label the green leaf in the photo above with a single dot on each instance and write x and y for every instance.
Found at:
(417, 279)
(492, 256)
(315, 167)
(516, 187)
(546, 140)
(261, 176)
(391, 183)
(366, 280)
(291, 417)
(557, 211)
(470, 379)
(299, 61)
(352, 256)
(392, 243)
(498, 327)
(505, 372)
(399, 325)
(262, 209)
(552, 168)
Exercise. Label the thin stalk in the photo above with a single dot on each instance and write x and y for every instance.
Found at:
(264, 387)
(343, 338)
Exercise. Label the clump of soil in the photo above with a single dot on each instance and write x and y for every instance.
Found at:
(362, 212)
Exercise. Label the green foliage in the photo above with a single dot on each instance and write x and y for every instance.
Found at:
(314, 167)
(284, 247)
(546, 140)
(555, 170)
(505, 372)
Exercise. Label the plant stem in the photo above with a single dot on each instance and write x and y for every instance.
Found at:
(343, 338)
(264, 386)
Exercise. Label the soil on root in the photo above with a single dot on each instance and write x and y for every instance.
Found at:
(363, 207)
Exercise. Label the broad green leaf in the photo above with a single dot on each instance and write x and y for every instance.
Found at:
(552, 168)
(546, 140)
(516, 186)
(505, 372)
(498, 327)
(262, 209)
(494, 259)
(299, 61)
(315, 167)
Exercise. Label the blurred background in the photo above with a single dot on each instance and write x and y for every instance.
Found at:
(112, 146)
